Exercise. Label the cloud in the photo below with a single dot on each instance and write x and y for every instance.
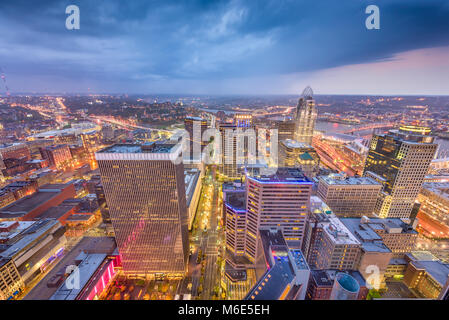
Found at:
(140, 45)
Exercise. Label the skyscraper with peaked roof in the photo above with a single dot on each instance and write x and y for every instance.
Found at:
(306, 115)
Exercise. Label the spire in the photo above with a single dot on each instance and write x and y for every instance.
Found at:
(307, 94)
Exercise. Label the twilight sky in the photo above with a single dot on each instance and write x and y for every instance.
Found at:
(226, 47)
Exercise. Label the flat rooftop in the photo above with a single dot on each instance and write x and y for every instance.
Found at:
(89, 264)
(56, 212)
(293, 144)
(191, 179)
(436, 269)
(89, 245)
(236, 201)
(139, 148)
(339, 233)
(29, 235)
(282, 175)
(349, 181)
(371, 241)
(26, 204)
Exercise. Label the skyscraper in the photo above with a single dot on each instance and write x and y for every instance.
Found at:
(305, 117)
(281, 201)
(238, 144)
(145, 192)
(399, 160)
(196, 127)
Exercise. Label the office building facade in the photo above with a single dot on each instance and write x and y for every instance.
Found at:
(145, 193)
(399, 160)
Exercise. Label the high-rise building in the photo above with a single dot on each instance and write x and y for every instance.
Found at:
(299, 155)
(196, 127)
(145, 192)
(238, 145)
(280, 200)
(399, 160)
(286, 130)
(332, 246)
(349, 196)
(306, 115)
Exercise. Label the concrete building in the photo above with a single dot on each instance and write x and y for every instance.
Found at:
(238, 145)
(144, 187)
(34, 248)
(349, 196)
(280, 200)
(11, 283)
(196, 127)
(434, 199)
(193, 181)
(286, 130)
(299, 155)
(284, 273)
(399, 160)
(30, 207)
(427, 277)
(322, 282)
(58, 156)
(375, 256)
(55, 278)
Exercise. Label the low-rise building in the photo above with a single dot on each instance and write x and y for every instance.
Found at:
(11, 283)
(426, 276)
(321, 284)
(35, 247)
(31, 206)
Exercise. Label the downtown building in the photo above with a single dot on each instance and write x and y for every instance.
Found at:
(281, 201)
(294, 154)
(144, 188)
(399, 160)
(349, 196)
(305, 117)
(195, 127)
(238, 145)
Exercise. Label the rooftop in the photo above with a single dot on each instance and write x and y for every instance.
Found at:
(139, 148)
(89, 264)
(89, 245)
(337, 179)
(293, 144)
(325, 278)
(236, 201)
(436, 269)
(30, 234)
(282, 175)
(26, 204)
(191, 177)
(370, 240)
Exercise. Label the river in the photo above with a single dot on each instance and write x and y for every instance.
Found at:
(331, 127)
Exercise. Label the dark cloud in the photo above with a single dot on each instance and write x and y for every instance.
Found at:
(134, 45)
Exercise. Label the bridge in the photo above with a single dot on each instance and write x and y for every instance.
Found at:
(125, 124)
(370, 127)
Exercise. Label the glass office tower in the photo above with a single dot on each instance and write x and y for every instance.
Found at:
(400, 160)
